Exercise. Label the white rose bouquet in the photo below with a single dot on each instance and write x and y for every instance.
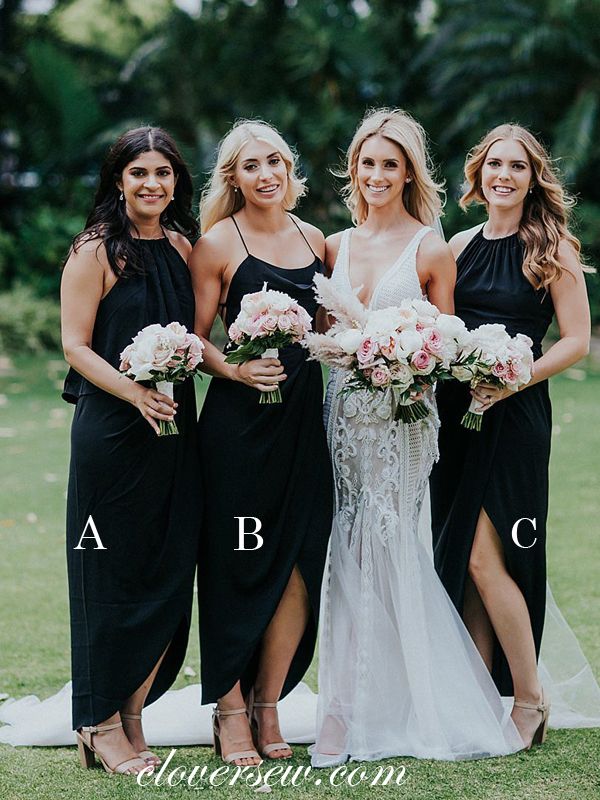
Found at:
(491, 355)
(163, 355)
(404, 348)
(268, 320)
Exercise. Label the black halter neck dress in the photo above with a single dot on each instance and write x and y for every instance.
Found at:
(270, 462)
(132, 600)
(504, 467)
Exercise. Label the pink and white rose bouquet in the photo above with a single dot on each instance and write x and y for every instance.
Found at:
(491, 355)
(403, 348)
(268, 320)
(164, 355)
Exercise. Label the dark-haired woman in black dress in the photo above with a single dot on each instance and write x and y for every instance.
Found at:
(131, 600)
(520, 269)
(258, 607)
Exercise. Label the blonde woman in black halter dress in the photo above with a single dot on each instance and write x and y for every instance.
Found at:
(258, 608)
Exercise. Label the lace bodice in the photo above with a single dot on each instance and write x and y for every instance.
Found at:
(399, 282)
(383, 461)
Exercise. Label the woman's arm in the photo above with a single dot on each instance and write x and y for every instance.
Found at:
(324, 321)
(82, 287)
(437, 272)
(207, 268)
(569, 296)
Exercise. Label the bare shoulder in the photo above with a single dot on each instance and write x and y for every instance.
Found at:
(212, 249)
(461, 239)
(434, 247)
(332, 248)
(89, 252)
(180, 243)
(313, 234)
(568, 256)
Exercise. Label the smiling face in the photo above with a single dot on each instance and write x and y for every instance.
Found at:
(148, 185)
(261, 174)
(382, 171)
(506, 174)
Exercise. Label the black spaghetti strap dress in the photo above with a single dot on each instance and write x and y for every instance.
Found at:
(266, 461)
(504, 467)
(131, 599)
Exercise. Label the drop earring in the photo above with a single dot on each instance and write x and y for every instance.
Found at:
(121, 196)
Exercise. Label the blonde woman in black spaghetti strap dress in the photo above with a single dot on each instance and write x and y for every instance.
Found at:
(520, 269)
(131, 601)
(258, 608)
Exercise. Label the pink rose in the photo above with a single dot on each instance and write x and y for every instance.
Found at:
(366, 351)
(434, 341)
(284, 322)
(235, 333)
(380, 376)
(195, 349)
(500, 370)
(423, 362)
(269, 322)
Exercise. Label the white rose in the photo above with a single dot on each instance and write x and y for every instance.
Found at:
(349, 340)
(408, 342)
(426, 311)
(382, 321)
(452, 327)
(402, 375)
(461, 373)
(177, 334)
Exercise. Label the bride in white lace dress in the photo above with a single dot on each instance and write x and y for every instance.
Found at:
(398, 673)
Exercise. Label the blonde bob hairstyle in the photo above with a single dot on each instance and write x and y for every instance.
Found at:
(220, 199)
(423, 197)
(544, 222)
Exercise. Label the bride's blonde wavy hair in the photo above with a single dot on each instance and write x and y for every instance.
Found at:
(545, 218)
(423, 197)
(219, 199)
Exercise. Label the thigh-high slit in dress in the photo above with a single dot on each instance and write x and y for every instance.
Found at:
(269, 462)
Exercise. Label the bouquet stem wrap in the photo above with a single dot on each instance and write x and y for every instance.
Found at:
(473, 418)
(271, 397)
(166, 428)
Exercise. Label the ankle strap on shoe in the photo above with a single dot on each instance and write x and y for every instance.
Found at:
(101, 728)
(130, 716)
(264, 705)
(219, 712)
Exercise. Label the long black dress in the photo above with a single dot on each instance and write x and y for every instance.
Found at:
(504, 467)
(130, 600)
(269, 462)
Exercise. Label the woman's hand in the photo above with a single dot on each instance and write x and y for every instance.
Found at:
(261, 373)
(488, 395)
(154, 405)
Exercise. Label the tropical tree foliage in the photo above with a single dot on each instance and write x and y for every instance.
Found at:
(75, 77)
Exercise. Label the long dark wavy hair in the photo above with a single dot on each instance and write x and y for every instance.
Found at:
(108, 221)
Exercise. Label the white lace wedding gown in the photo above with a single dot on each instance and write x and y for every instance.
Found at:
(398, 672)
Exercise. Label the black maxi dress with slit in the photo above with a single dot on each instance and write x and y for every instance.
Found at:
(270, 462)
(504, 467)
(131, 600)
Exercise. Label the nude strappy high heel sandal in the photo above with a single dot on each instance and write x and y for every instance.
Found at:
(228, 759)
(268, 748)
(539, 735)
(87, 751)
(149, 757)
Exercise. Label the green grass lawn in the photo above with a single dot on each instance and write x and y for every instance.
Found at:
(34, 636)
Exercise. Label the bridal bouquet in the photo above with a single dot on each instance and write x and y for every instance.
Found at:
(491, 355)
(163, 355)
(405, 348)
(268, 320)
